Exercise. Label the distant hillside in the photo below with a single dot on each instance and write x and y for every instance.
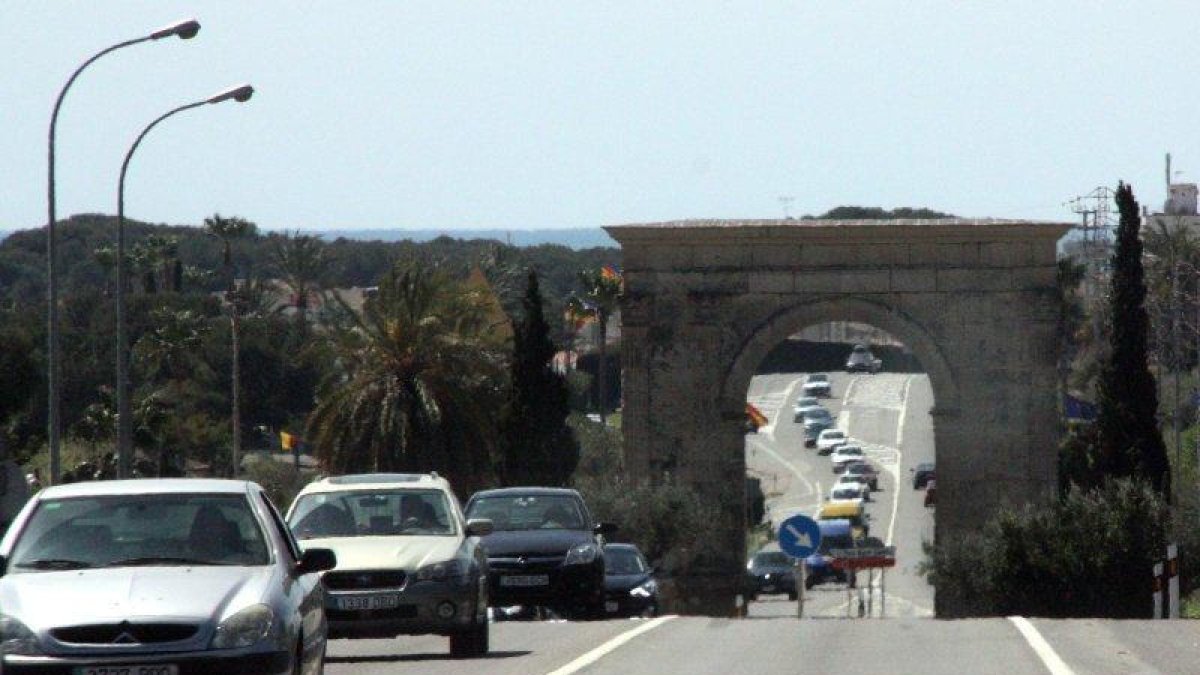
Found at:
(573, 238)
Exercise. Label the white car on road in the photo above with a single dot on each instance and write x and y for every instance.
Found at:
(818, 386)
(860, 480)
(844, 454)
(830, 439)
(848, 492)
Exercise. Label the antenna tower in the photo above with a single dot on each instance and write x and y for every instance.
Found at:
(1095, 209)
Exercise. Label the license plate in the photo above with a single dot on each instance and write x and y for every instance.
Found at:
(359, 602)
(611, 606)
(526, 580)
(157, 669)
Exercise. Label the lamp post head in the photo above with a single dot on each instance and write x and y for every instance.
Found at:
(186, 30)
(241, 94)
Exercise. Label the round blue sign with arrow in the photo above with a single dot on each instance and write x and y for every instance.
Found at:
(799, 536)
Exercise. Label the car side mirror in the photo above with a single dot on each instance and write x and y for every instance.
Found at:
(316, 560)
(605, 529)
(480, 527)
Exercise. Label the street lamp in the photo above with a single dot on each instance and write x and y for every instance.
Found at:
(186, 30)
(241, 94)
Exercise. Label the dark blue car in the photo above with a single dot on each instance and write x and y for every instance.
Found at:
(818, 567)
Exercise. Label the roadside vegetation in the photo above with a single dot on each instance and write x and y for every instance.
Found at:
(1121, 499)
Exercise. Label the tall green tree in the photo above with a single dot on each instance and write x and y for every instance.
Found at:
(538, 448)
(301, 263)
(1130, 443)
(414, 378)
(601, 295)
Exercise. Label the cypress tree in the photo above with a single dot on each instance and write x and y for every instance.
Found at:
(537, 445)
(1130, 443)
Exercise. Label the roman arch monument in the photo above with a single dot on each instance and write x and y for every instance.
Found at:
(706, 300)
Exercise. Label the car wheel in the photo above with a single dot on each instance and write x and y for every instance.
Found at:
(298, 662)
(809, 583)
(793, 595)
(471, 642)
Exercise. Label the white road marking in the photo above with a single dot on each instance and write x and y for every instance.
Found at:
(610, 646)
(1045, 652)
(899, 458)
(790, 467)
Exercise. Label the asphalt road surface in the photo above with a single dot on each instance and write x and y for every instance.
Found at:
(889, 414)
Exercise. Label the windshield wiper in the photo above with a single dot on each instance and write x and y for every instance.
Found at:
(55, 564)
(162, 560)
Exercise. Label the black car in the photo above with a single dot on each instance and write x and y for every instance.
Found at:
(630, 588)
(772, 572)
(544, 549)
(922, 474)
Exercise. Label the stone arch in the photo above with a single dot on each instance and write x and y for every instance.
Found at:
(778, 326)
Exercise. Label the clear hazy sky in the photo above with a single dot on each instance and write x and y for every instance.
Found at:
(449, 115)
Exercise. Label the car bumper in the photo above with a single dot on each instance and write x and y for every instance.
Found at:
(188, 663)
(774, 585)
(622, 603)
(424, 608)
(568, 586)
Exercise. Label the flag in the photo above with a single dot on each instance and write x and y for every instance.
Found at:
(611, 272)
(288, 441)
(755, 416)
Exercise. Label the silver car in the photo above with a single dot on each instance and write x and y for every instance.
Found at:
(158, 577)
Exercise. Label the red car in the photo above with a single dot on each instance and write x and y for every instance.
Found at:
(931, 493)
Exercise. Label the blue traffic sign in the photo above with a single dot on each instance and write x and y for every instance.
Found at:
(799, 536)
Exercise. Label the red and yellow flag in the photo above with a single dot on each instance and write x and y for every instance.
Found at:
(610, 272)
(288, 441)
(755, 416)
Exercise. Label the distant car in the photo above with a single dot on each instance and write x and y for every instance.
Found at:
(810, 411)
(861, 360)
(771, 572)
(817, 385)
(848, 492)
(922, 474)
(813, 429)
(630, 587)
(806, 402)
(170, 576)
(829, 439)
(864, 469)
(409, 562)
(860, 480)
(931, 493)
(843, 455)
(818, 567)
(545, 550)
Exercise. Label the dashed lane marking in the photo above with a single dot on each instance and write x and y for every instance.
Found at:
(599, 652)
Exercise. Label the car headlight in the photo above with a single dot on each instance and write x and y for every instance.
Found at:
(647, 589)
(582, 554)
(248, 627)
(17, 639)
(440, 571)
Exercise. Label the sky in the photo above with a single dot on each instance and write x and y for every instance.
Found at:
(564, 114)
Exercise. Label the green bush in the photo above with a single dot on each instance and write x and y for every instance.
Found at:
(1088, 555)
(281, 481)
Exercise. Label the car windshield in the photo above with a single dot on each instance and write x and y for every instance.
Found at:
(530, 512)
(834, 542)
(846, 493)
(818, 378)
(830, 435)
(772, 559)
(129, 530)
(622, 561)
(371, 513)
(849, 450)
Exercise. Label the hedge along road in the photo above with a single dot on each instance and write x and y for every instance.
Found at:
(888, 414)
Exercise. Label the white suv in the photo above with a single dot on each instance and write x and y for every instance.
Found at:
(409, 563)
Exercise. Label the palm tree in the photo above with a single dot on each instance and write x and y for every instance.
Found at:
(301, 262)
(228, 230)
(601, 295)
(415, 376)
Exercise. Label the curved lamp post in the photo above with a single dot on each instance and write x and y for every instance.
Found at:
(240, 94)
(186, 30)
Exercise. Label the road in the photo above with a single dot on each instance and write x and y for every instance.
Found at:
(889, 413)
